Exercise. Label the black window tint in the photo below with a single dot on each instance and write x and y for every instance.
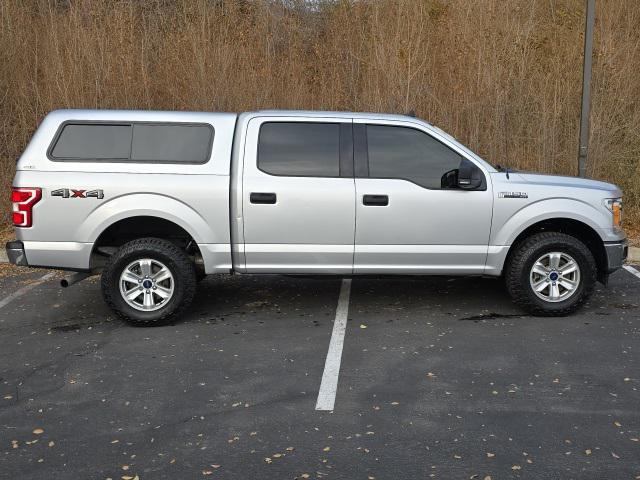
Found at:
(93, 142)
(299, 149)
(171, 143)
(401, 152)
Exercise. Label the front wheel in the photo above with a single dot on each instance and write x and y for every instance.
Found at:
(551, 274)
(149, 281)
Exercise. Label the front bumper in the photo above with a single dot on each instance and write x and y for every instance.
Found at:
(15, 253)
(617, 253)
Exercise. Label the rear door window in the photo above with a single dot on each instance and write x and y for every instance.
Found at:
(299, 149)
(134, 142)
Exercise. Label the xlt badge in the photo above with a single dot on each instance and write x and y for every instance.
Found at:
(513, 195)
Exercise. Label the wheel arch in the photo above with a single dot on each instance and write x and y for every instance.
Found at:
(135, 227)
(569, 226)
(145, 205)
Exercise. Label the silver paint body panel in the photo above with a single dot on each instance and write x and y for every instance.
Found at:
(317, 226)
(421, 231)
(311, 226)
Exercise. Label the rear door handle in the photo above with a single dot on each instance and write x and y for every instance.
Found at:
(375, 200)
(260, 197)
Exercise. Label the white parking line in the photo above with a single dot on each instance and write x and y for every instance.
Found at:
(329, 384)
(631, 270)
(18, 293)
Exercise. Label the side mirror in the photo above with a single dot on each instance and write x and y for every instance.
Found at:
(449, 179)
(470, 177)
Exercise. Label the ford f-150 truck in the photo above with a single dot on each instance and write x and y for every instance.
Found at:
(157, 200)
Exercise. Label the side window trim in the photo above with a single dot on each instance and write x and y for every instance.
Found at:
(360, 150)
(345, 151)
(56, 137)
(361, 154)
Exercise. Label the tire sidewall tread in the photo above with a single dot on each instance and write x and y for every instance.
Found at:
(173, 257)
(528, 251)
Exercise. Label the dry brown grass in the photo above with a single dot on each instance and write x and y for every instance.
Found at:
(504, 77)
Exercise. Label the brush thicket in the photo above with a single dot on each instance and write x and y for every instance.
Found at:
(503, 77)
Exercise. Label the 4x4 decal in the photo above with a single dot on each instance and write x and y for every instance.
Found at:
(73, 193)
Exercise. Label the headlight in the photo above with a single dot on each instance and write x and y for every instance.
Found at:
(615, 206)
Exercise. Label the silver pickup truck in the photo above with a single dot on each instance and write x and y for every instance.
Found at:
(157, 200)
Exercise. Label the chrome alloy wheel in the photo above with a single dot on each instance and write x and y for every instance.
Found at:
(146, 284)
(554, 277)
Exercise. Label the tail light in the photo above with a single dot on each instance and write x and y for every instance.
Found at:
(23, 201)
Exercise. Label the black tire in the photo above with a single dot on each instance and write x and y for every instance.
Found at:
(518, 271)
(200, 275)
(175, 260)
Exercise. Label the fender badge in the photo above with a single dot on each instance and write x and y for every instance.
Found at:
(513, 195)
(72, 193)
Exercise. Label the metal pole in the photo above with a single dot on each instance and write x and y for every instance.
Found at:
(586, 88)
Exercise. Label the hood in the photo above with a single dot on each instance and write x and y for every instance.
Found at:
(572, 182)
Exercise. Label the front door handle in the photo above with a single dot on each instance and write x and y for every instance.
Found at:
(261, 197)
(375, 200)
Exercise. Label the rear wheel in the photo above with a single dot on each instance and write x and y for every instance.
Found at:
(149, 281)
(551, 274)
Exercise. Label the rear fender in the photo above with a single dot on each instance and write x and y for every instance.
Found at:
(145, 204)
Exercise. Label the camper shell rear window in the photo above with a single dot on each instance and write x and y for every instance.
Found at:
(137, 142)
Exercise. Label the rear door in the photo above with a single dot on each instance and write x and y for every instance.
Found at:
(298, 195)
(406, 222)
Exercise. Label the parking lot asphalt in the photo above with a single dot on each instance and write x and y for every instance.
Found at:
(439, 378)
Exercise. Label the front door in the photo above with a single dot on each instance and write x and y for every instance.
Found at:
(406, 221)
(298, 195)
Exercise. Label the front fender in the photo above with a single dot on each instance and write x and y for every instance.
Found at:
(552, 208)
(145, 204)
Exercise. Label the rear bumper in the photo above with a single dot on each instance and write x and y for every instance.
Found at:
(15, 253)
(58, 255)
(617, 253)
